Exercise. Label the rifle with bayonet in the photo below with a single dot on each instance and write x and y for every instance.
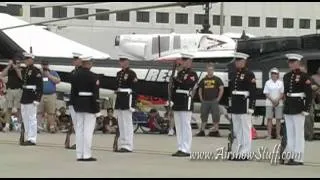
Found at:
(171, 85)
(21, 139)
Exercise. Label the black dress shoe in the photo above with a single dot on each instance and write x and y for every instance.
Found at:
(281, 161)
(123, 150)
(73, 146)
(294, 163)
(28, 143)
(87, 159)
(177, 153)
(214, 134)
(180, 154)
(183, 154)
(200, 134)
(290, 161)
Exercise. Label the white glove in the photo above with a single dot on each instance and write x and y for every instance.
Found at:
(36, 103)
(171, 103)
(305, 113)
(98, 114)
(132, 109)
(250, 111)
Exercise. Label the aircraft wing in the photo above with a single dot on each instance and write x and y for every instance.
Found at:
(43, 42)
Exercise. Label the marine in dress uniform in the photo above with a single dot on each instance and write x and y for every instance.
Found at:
(31, 97)
(242, 85)
(183, 86)
(77, 65)
(126, 79)
(85, 96)
(297, 104)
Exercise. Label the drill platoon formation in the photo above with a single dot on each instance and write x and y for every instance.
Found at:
(84, 106)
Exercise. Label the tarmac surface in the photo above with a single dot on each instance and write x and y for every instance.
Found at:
(151, 158)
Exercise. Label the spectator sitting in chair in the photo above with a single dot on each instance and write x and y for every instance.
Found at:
(3, 121)
(156, 123)
(99, 123)
(110, 123)
(14, 119)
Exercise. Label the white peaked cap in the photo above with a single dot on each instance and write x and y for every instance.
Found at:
(186, 56)
(293, 56)
(240, 55)
(86, 58)
(28, 55)
(123, 57)
(274, 70)
(76, 55)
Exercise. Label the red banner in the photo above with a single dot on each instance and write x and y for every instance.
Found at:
(152, 101)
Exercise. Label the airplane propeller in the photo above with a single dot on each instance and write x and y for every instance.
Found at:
(181, 4)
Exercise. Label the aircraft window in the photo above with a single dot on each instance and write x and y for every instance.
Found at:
(81, 11)
(311, 42)
(59, 12)
(102, 17)
(3, 9)
(271, 22)
(290, 44)
(181, 18)
(117, 41)
(199, 18)
(176, 42)
(214, 60)
(37, 12)
(216, 20)
(254, 22)
(155, 45)
(268, 47)
(236, 20)
(288, 23)
(123, 16)
(164, 44)
(304, 24)
(162, 17)
(143, 16)
(318, 24)
(15, 9)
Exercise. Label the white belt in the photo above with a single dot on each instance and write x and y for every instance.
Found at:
(66, 99)
(85, 93)
(243, 93)
(127, 90)
(30, 87)
(301, 95)
(183, 91)
(189, 102)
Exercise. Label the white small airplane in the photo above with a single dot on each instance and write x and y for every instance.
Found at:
(148, 47)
